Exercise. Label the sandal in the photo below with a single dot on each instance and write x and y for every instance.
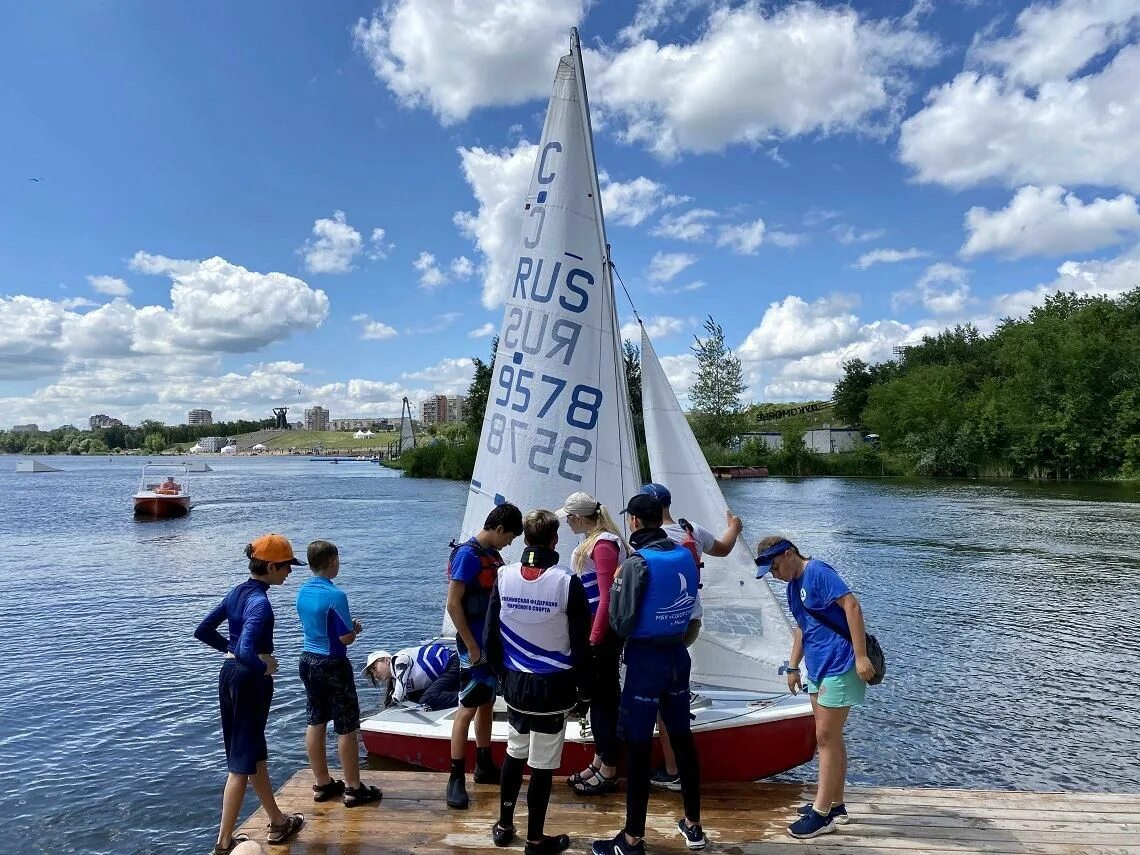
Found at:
(596, 785)
(578, 778)
(502, 836)
(324, 792)
(235, 839)
(362, 795)
(281, 833)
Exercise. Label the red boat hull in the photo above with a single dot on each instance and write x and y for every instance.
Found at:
(727, 754)
(162, 507)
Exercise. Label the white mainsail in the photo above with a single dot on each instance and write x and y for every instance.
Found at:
(558, 418)
(745, 635)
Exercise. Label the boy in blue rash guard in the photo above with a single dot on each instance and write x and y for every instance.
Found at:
(245, 687)
(839, 669)
(650, 606)
(330, 684)
(471, 575)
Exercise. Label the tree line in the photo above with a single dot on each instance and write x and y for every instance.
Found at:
(1053, 395)
(151, 436)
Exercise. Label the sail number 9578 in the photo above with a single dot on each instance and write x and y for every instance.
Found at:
(520, 385)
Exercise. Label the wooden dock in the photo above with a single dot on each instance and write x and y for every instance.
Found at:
(740, 819)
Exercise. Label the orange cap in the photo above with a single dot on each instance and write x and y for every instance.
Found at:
(274, 548)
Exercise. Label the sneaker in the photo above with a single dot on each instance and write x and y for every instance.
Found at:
(457, 793)
(663, 779)
(838, 812)
(548, 846)
(694, 835)
(811, 825)
(502, 836)
(618, 846)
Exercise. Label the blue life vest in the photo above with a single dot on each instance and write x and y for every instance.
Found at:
(667, 604)
(433, 659)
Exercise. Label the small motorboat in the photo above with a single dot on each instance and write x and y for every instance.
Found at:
(164, 491)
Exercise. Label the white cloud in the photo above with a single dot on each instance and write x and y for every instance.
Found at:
(690, 225)
(848, 235)
(1053, 41)
(332, 246)
(145, 262)
(888, 256)
(440, 323)
(448, 376)
(283, 366)
(943, 289)
(658, 327)
(1048, 221)
(665, 266)
(786, 240)
(799, 390)
(1057, 130)
(488, 329)
(629, 203)
(456, 57)
(662, 291)
(379, 246)
(499, 181)
(652, 14)
(111, 285)
(793, 328)
(462, 267)
(1109, 278)
(373, 330)
(743, 239)
(756, 75)
(430, 275)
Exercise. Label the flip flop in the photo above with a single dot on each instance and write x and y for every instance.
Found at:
(279, 834)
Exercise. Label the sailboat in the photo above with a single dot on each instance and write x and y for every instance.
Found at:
(558, 420)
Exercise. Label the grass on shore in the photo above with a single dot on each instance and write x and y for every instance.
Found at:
(304, 440)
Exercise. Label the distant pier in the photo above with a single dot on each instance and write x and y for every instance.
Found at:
(740, 819)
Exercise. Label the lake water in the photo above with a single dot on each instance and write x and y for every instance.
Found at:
(1008, 612)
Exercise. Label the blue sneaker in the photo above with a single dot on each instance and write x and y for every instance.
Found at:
(811, 825)
(694, 835)
(661, 778)
(838, 812)
(618, 846)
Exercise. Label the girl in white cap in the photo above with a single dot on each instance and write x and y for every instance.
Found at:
(596, 560)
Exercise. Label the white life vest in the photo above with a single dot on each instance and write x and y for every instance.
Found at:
(589, 571)
(416, 668)
(532, 618)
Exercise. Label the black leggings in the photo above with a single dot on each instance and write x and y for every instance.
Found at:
(607, 698)
(637, 782)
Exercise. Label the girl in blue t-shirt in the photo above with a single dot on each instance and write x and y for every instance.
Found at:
(838, 667)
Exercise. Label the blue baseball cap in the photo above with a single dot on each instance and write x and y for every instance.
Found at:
(660, 492)
(765, 558)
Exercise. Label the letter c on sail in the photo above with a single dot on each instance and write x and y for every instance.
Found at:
(543, 178)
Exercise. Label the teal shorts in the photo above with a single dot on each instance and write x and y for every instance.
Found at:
(843, 690)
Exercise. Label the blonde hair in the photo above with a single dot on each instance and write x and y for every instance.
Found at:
(603, 523)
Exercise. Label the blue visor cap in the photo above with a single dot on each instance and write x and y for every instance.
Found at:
(764, 559)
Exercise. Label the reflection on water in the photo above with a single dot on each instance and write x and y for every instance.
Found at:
(1006, 611)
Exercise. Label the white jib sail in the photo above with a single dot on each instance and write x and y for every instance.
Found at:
(557, 418)
(745, 636)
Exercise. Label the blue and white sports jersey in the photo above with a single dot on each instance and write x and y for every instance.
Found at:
(532, 619)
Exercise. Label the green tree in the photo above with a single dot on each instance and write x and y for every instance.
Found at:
(479, 390)
(631, 358)
(720, 382)
(852, 390)
(154, 443)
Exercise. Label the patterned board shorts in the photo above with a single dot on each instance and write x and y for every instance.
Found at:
(330, 691)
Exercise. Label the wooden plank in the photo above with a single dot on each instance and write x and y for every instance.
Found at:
(741, 819)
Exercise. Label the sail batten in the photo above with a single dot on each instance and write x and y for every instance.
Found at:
(745, 635)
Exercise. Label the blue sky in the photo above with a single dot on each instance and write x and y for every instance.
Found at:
(242, 205)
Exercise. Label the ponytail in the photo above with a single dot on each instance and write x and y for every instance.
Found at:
(603, 523)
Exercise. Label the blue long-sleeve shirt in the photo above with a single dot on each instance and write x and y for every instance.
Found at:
(250, 618)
